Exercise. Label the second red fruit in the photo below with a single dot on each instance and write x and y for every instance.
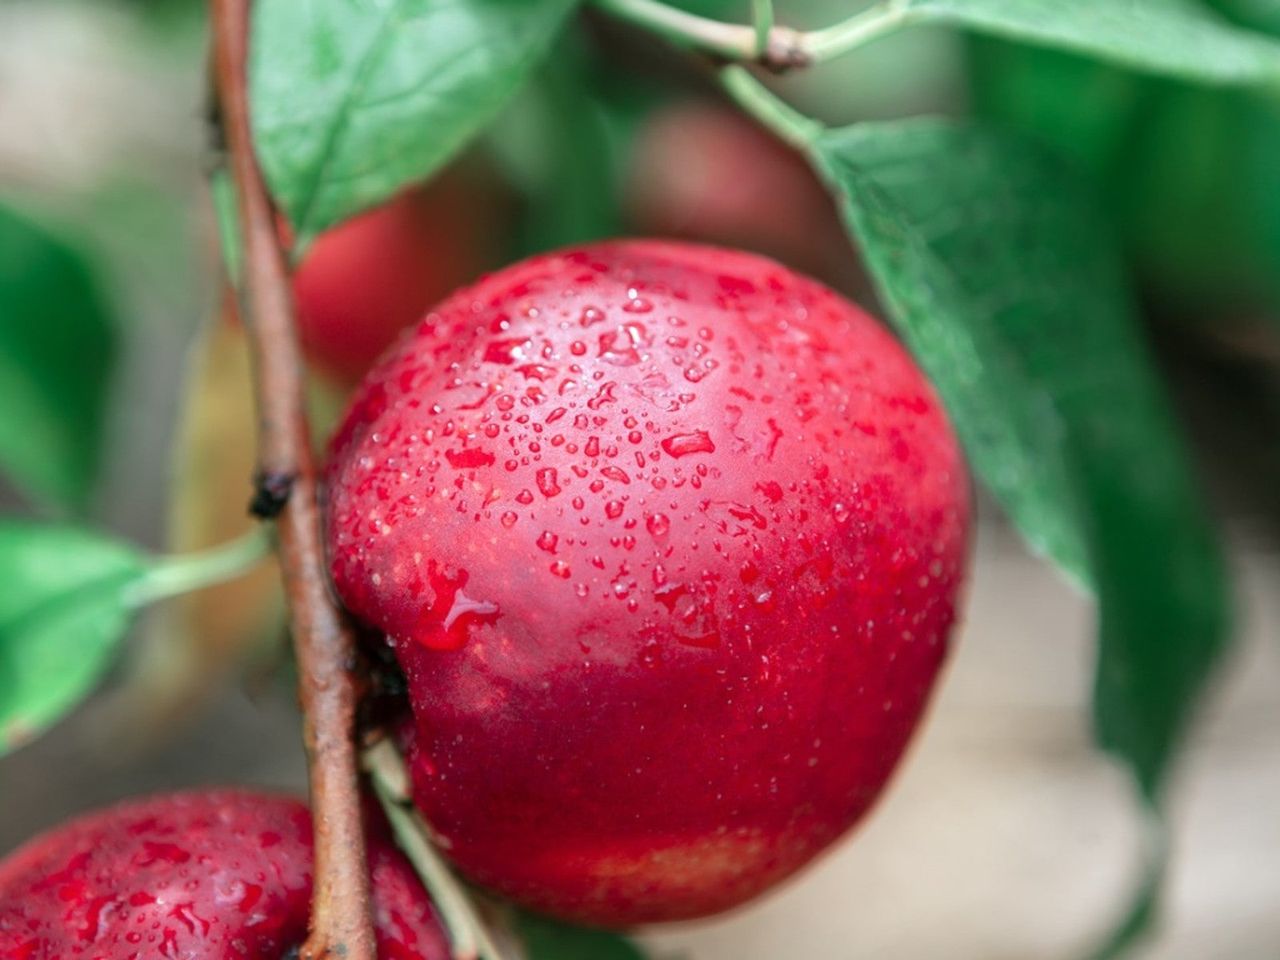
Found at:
(205, 875)
(668, 541)
(366, 279)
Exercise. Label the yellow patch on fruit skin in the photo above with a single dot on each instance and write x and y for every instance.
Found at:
(696, 876)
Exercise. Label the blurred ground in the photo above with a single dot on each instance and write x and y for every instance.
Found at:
(1005, 837)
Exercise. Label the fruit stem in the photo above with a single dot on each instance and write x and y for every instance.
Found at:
(181, 573)
(857, 31)
(777, 48)
(762, 16)
(770, 110)
(287, 489)
(468, 936)
(764, 42)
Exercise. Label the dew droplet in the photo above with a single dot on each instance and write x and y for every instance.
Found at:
(658, 525)
(683, 444)
(548, 483)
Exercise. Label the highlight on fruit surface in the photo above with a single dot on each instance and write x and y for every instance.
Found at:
(668, 541)
(205, 874)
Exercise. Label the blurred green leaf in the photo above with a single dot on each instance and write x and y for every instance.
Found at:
(1177, 38)
(57, 352)
(1081, 107)
(354, 99)
(554, 144)
(546, 939)
(1261, 15)
(1003, 279)
(64, 607)
(1191, 175)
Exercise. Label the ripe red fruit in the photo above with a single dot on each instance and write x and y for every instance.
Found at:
(668, 541)
(363, 281)
(211, 875)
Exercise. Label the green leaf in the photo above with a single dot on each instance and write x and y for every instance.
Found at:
(1084, 108)
(64, 607)
(1190, 174)
(355, 99)
(546, 939)
(553, 142)
(1004, 281)
(57, 352)
(1177, 38)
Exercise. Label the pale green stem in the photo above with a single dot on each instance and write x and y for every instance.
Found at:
(735, 41)
(762, 14)
(859, 30)
(182, 573)
(759, 101)
(764, 37)
(469, 938)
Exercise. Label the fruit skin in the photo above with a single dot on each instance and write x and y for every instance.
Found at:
(363, 281)
(668, 541)
(208, 875)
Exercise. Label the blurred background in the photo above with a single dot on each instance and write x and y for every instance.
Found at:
(1006, 835)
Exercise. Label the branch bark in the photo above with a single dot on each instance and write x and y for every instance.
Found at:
(286, 486)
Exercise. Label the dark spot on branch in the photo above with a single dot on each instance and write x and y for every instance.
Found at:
(270, 493)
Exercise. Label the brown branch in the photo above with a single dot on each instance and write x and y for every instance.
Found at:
(341, 922)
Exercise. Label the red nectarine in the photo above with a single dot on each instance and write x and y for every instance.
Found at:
(667, 540)
(215, 875)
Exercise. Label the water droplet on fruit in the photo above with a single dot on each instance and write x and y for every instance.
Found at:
(547, 541)
(658, 525)
(445, 623)
(548, 483)
(683, 444)
(560, 569)
(468, 458)
(637, 304)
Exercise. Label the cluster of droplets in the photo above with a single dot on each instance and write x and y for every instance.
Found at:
(588, 417)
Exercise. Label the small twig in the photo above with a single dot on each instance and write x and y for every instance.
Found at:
(171, 576)
(764, 42)
(763, 18)
(469, 936)
(780, 50)
(768, 109)
(341, 920)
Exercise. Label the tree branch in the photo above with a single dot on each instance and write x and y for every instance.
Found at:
(341, 921)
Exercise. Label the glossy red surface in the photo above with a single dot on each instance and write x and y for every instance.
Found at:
(668, 541)
(213, 875)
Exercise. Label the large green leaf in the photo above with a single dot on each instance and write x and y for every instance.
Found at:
(1179, 38)
(57, 351)
(546, 939)
(354, 99)
(1004, 281)
(64, 606)
(1191, 174)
